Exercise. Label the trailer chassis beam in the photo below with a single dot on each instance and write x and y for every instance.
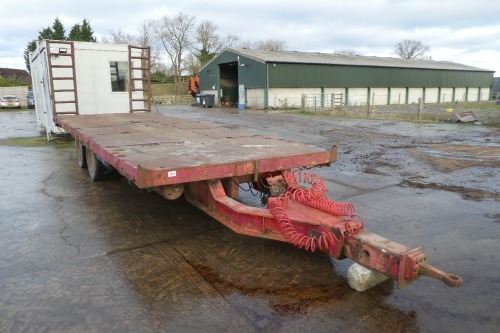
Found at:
(399, 262)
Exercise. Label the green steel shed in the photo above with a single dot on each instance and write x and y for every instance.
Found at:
(264, 78)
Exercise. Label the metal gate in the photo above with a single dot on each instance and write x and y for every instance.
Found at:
(321, 102)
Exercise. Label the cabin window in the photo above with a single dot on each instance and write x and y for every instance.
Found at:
(119, 75)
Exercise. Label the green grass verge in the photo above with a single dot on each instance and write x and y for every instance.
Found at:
(16, 110)
(490, 105)
(38, 141)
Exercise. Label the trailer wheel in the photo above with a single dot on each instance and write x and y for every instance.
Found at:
(95, 166)
(81, 154)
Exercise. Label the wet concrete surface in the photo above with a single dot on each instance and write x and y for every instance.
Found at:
(83, 256)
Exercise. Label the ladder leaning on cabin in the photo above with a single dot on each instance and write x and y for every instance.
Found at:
(64, 75)
(141, 82)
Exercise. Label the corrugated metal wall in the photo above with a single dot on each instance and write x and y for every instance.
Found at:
(252, 74)
(310, 75)
(282, 76)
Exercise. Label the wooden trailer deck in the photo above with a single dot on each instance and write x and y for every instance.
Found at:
(155, 150)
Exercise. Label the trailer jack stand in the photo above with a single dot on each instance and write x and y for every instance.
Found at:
(362, 278)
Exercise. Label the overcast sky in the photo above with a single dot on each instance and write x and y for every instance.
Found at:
(463, 31)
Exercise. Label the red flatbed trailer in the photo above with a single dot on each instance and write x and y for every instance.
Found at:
(208, 163)
(153, 150)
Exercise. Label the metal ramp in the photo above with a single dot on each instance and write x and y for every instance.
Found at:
(140, 79)
(61, 65)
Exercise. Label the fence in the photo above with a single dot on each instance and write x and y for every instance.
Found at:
(420, 111)
(318, 102)
(173, 99)
(377, 107)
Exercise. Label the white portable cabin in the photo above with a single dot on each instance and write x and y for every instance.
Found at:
(81, 78)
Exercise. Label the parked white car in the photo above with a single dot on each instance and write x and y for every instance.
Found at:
(10, 101)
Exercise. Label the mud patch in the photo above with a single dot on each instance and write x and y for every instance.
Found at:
(286, 299)
(371, 162)
(372, 168)
(495, 217)
(447, 158)
(466, 193)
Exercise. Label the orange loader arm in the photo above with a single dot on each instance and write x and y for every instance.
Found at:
(194, 85)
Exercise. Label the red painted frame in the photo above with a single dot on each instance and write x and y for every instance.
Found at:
(116, 138)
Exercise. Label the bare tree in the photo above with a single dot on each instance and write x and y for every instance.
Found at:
(118, 37)
(146, 38)
(270, 44)
(146, 33)
(175, 35)
(230, 40)
(245, 44)
(206, 36)
(411, 49)
(209, 42)
(192, 64)
(349, 52)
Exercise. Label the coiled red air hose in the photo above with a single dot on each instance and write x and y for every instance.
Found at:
(313, 197)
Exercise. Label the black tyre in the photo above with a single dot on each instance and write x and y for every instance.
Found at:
(95, 167)
(81, 154)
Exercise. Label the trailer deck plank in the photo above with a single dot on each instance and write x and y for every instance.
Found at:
(156, 150)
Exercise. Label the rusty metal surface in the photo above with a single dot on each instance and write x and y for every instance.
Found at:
(253, 221)
(399, 262)
(155, 150)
